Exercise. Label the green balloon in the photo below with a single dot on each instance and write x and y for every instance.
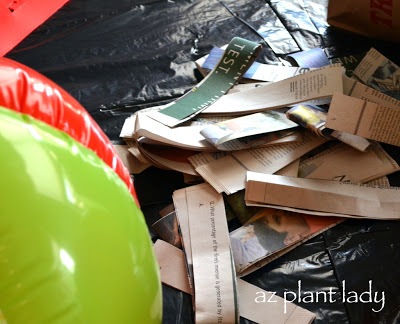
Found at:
(74, 246)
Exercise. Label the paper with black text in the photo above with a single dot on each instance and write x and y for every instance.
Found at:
(343, 163)
(213, 270)
(380, 182)
(253, 301)
(201, 215)
(368, 120)
(358, 90)
(380, 73)
(228, 174)
(320, 83)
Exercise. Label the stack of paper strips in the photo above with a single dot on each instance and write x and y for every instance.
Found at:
(289, 153)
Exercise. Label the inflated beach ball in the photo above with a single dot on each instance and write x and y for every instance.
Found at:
(74, 245)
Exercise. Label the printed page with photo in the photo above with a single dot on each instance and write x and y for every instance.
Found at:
(270, 231)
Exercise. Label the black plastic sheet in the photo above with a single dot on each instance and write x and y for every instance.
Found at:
(310, 265)
(116, 57)
(351, 248)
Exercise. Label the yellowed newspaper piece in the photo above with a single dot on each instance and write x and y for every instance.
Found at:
(365, 119)
(380, 182)
(172, 265)
(257, 243)
(320, 83)
(128, 129)
(343, 163)
(291, 170)
(257, 265)
(239, 133)
(182, 216)
(213, 271)
(323, 196)
(204, 158)
(255, 304)
(244, 86)
(130, 161)
(228, 174)
(164, 157)
(358, 90)
(378, 72)
(187, 137)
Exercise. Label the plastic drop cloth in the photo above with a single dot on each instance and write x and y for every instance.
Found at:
(116, 57)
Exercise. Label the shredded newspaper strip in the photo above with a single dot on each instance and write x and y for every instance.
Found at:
(319, 83)
(228, 174)
(271, 233)
(237, 58)
(240, 133)
(380, 73)
(343, 163)
(211, 256)
(257, 71)
(371, 121)
(322, 197)
(252, 299)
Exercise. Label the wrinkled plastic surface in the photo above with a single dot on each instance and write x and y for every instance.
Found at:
(74, 247)
(27, 91)
(121, 56)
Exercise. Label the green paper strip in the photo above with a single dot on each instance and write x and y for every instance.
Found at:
(237, 58)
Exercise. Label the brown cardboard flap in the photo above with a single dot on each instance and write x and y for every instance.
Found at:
(371, 18)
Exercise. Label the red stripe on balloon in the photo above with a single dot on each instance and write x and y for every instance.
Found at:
(27, 91)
